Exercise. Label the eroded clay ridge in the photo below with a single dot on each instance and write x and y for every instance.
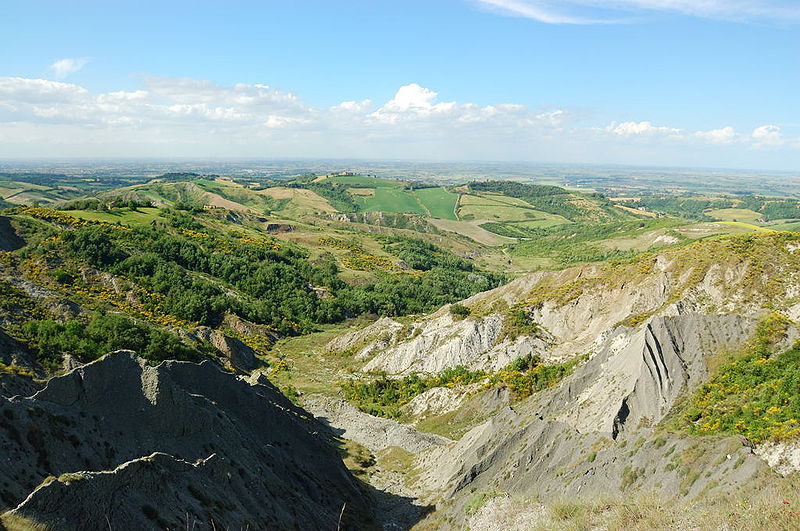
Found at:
(120, 444)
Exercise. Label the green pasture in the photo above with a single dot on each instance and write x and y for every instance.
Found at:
(439, 202)
(140, 217)
(735, 214)
(391, 200)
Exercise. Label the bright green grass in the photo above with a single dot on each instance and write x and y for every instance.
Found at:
(791, 226)
(16, 185)
(439, 202)
(495, 207)
(392, 200)
(735, 214)
(361, 181)
(543, 220)
(744, 225)
(141, 217)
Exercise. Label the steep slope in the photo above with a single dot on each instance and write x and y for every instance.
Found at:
(123, 444)
(651, 332)
(576, 311)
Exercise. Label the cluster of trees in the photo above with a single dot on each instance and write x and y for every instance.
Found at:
(573, 242)
(107, 205)
(423, 256)
(516, 189)
(201, 280)
(772, 208)
(689, 208)
(696, 208)
(524, 376)
(102, 333)
(551, 199)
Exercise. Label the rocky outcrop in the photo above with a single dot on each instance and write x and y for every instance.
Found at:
(438, 401)
(372, 338)
(177, 445)
(372, 432)
(442, 342)
(783, 456)
(12, 384)
(13, 354)
(237, 354)
(9, 239)
(637, 374)
(579, 308)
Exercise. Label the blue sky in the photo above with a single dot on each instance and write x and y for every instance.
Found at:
(664, 82)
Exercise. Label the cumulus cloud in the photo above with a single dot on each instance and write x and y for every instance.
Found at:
(353, 106)
(641, 129)
(613, 11)
(64, 67)
(206, 118)
(720, 137)
(768, 135)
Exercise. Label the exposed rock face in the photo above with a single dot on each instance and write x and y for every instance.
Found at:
(374, 337)
(438, 400)
(578, 309)
(443, 342)
(783, 457)
(637, 374)
(372, 432)
(9, 239)
(14, 355)
(239, 355)
(518, 453)
(16, 385)
(648, 331)
(223, 451)
(590, 434)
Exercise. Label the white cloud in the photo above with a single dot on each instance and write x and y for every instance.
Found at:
(720, 137)
(353, 106)
(18, 89)
(64, 67)
(613, 11)
(539, 11)
(411, 97)
(768, 135)
(641, 129)
(188, 117)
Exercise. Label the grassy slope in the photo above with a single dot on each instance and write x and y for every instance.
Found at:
(439, 202)
(735, 214)
(391, 200)
(139, 217)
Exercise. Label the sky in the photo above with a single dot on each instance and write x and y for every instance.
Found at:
(702, 83)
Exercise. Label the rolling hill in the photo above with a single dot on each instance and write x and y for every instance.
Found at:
(455, 342)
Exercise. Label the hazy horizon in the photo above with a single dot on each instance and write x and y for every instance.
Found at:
(641, 83)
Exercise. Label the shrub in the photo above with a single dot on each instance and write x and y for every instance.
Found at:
(459, 311)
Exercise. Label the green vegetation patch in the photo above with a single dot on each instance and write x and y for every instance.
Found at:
(438, 202)
(99, 334)
(556, 200)
(735, 214)
(757, 395)
(525, 376)
(577, 242)
(391, 200)
(384, 396)
(134, 217)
